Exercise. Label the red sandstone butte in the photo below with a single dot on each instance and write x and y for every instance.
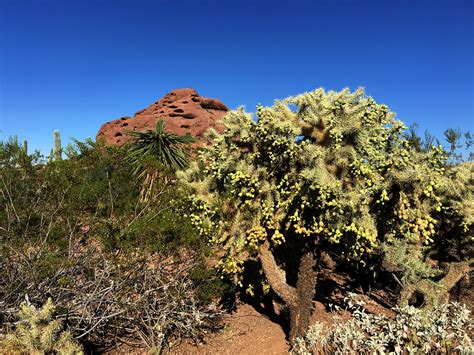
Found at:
(183, 111)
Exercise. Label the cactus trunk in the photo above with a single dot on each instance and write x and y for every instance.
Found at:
(57, 151)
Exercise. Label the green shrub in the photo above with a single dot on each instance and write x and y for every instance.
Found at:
(210, 286)
(74, 226)
(91, 194)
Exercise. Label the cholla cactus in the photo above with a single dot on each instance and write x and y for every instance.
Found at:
(322, 170)
(38, 333)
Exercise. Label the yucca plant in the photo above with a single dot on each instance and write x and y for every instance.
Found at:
(154, 154)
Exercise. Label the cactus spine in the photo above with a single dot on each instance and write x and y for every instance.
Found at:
(57, 151)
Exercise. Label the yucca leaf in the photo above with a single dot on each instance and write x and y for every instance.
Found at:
(158, 146)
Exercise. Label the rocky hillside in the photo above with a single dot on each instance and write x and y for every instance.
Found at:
(183, 110)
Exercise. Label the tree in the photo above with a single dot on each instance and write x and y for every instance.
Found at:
(151, 151)
(456, 142)
(417, 142)
(319, 172)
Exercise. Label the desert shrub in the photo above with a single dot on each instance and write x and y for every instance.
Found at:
(115, 267)
(210, 286)
(319, 172)
(49, 202)
(156, 226)
(444, 329)
(92, 193)
(108, 298)
(37, 332)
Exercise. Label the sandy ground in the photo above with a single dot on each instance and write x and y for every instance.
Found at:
(245, 332)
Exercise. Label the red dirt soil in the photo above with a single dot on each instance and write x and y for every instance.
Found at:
(246, 331)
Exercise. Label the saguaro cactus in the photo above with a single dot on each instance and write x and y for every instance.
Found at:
(57, 151)
(25, 146)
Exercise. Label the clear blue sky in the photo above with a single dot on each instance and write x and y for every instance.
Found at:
(74, 64)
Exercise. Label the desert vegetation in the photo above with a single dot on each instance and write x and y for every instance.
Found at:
(144, 244)
(75, 235)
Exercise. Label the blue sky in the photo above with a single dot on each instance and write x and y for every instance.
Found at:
(73, 65)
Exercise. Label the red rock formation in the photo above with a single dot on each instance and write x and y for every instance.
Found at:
(183, 110)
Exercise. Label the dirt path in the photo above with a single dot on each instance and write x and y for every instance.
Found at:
(245, 332)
